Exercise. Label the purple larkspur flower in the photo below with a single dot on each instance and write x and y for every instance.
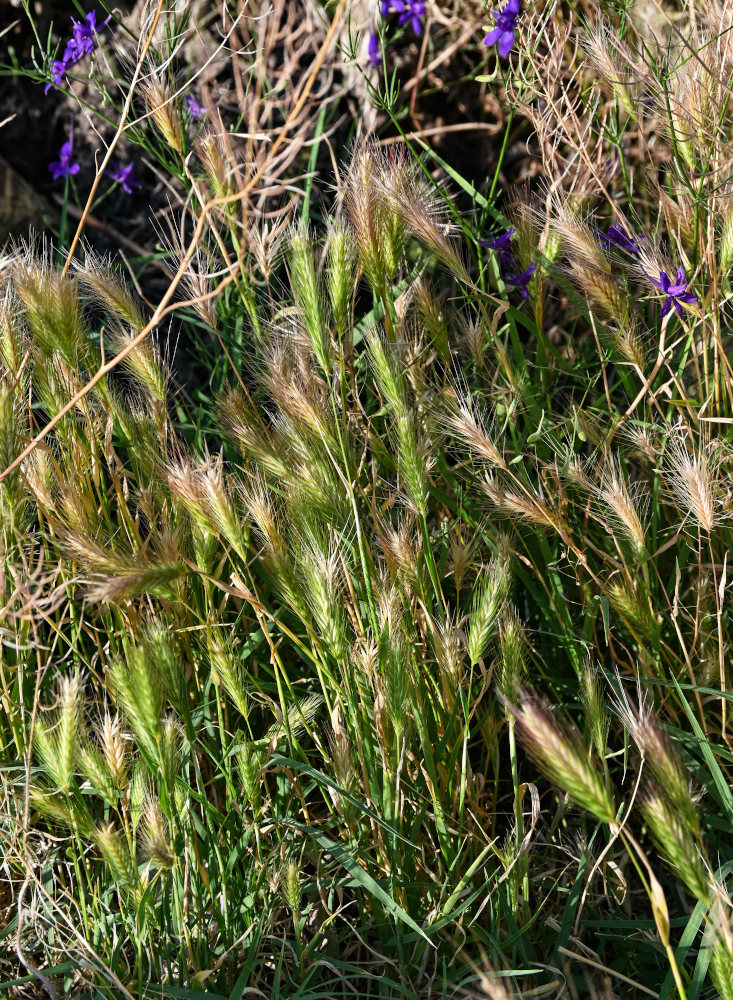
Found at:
(618, 237)
(195, 106)
(123, 176)
(520, 280)
(58, 68)
(500, 242)
(64, 167)
(676, 293)
(374, 52)
(506, 23)
(79, 45)
(81, 42)
(410, 11)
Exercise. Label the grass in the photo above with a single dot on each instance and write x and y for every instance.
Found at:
(393, 662)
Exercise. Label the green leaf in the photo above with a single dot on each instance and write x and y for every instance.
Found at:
(322, 779)
(361, 877)
(721, 785)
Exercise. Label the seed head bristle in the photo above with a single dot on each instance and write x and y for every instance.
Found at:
(249, 764)
(341, 261)
(378, 230)
(93, 766)
(143, 363)
(225, 670)
(401, 546)
(320, 574)
(449, 649)
(97, 275)
(421, 210)
(306, 282)
(341, 751)
(246, 430)
(68, 726)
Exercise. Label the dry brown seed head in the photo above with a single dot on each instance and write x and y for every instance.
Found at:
(603, 291)
(626, 340)
(365, 657)
(691, 477)
(464, 419)
(389, 607)
(341, 759)
(39, 475)
(579, 244)
(401, 547)
(98, 276)
(577, 471)
(474, 334)
(519, 505)
(266, 245)
(643, 441)
(460, 557)
(602, 47)
(378, 242)
(679, 214)
(620, 504)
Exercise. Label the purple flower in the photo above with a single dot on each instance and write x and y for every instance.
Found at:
(58, 68)
(676, 293)
(63, 167)
(517, 279)
(500, 242)
(618, 237)
(79, 45)
(374, 56)
(123, 176)
(506, 22)
(195, 106)
(410, 11)
(83, 33)
(520, 280)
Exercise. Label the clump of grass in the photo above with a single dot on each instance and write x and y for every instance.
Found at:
(306, 749)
